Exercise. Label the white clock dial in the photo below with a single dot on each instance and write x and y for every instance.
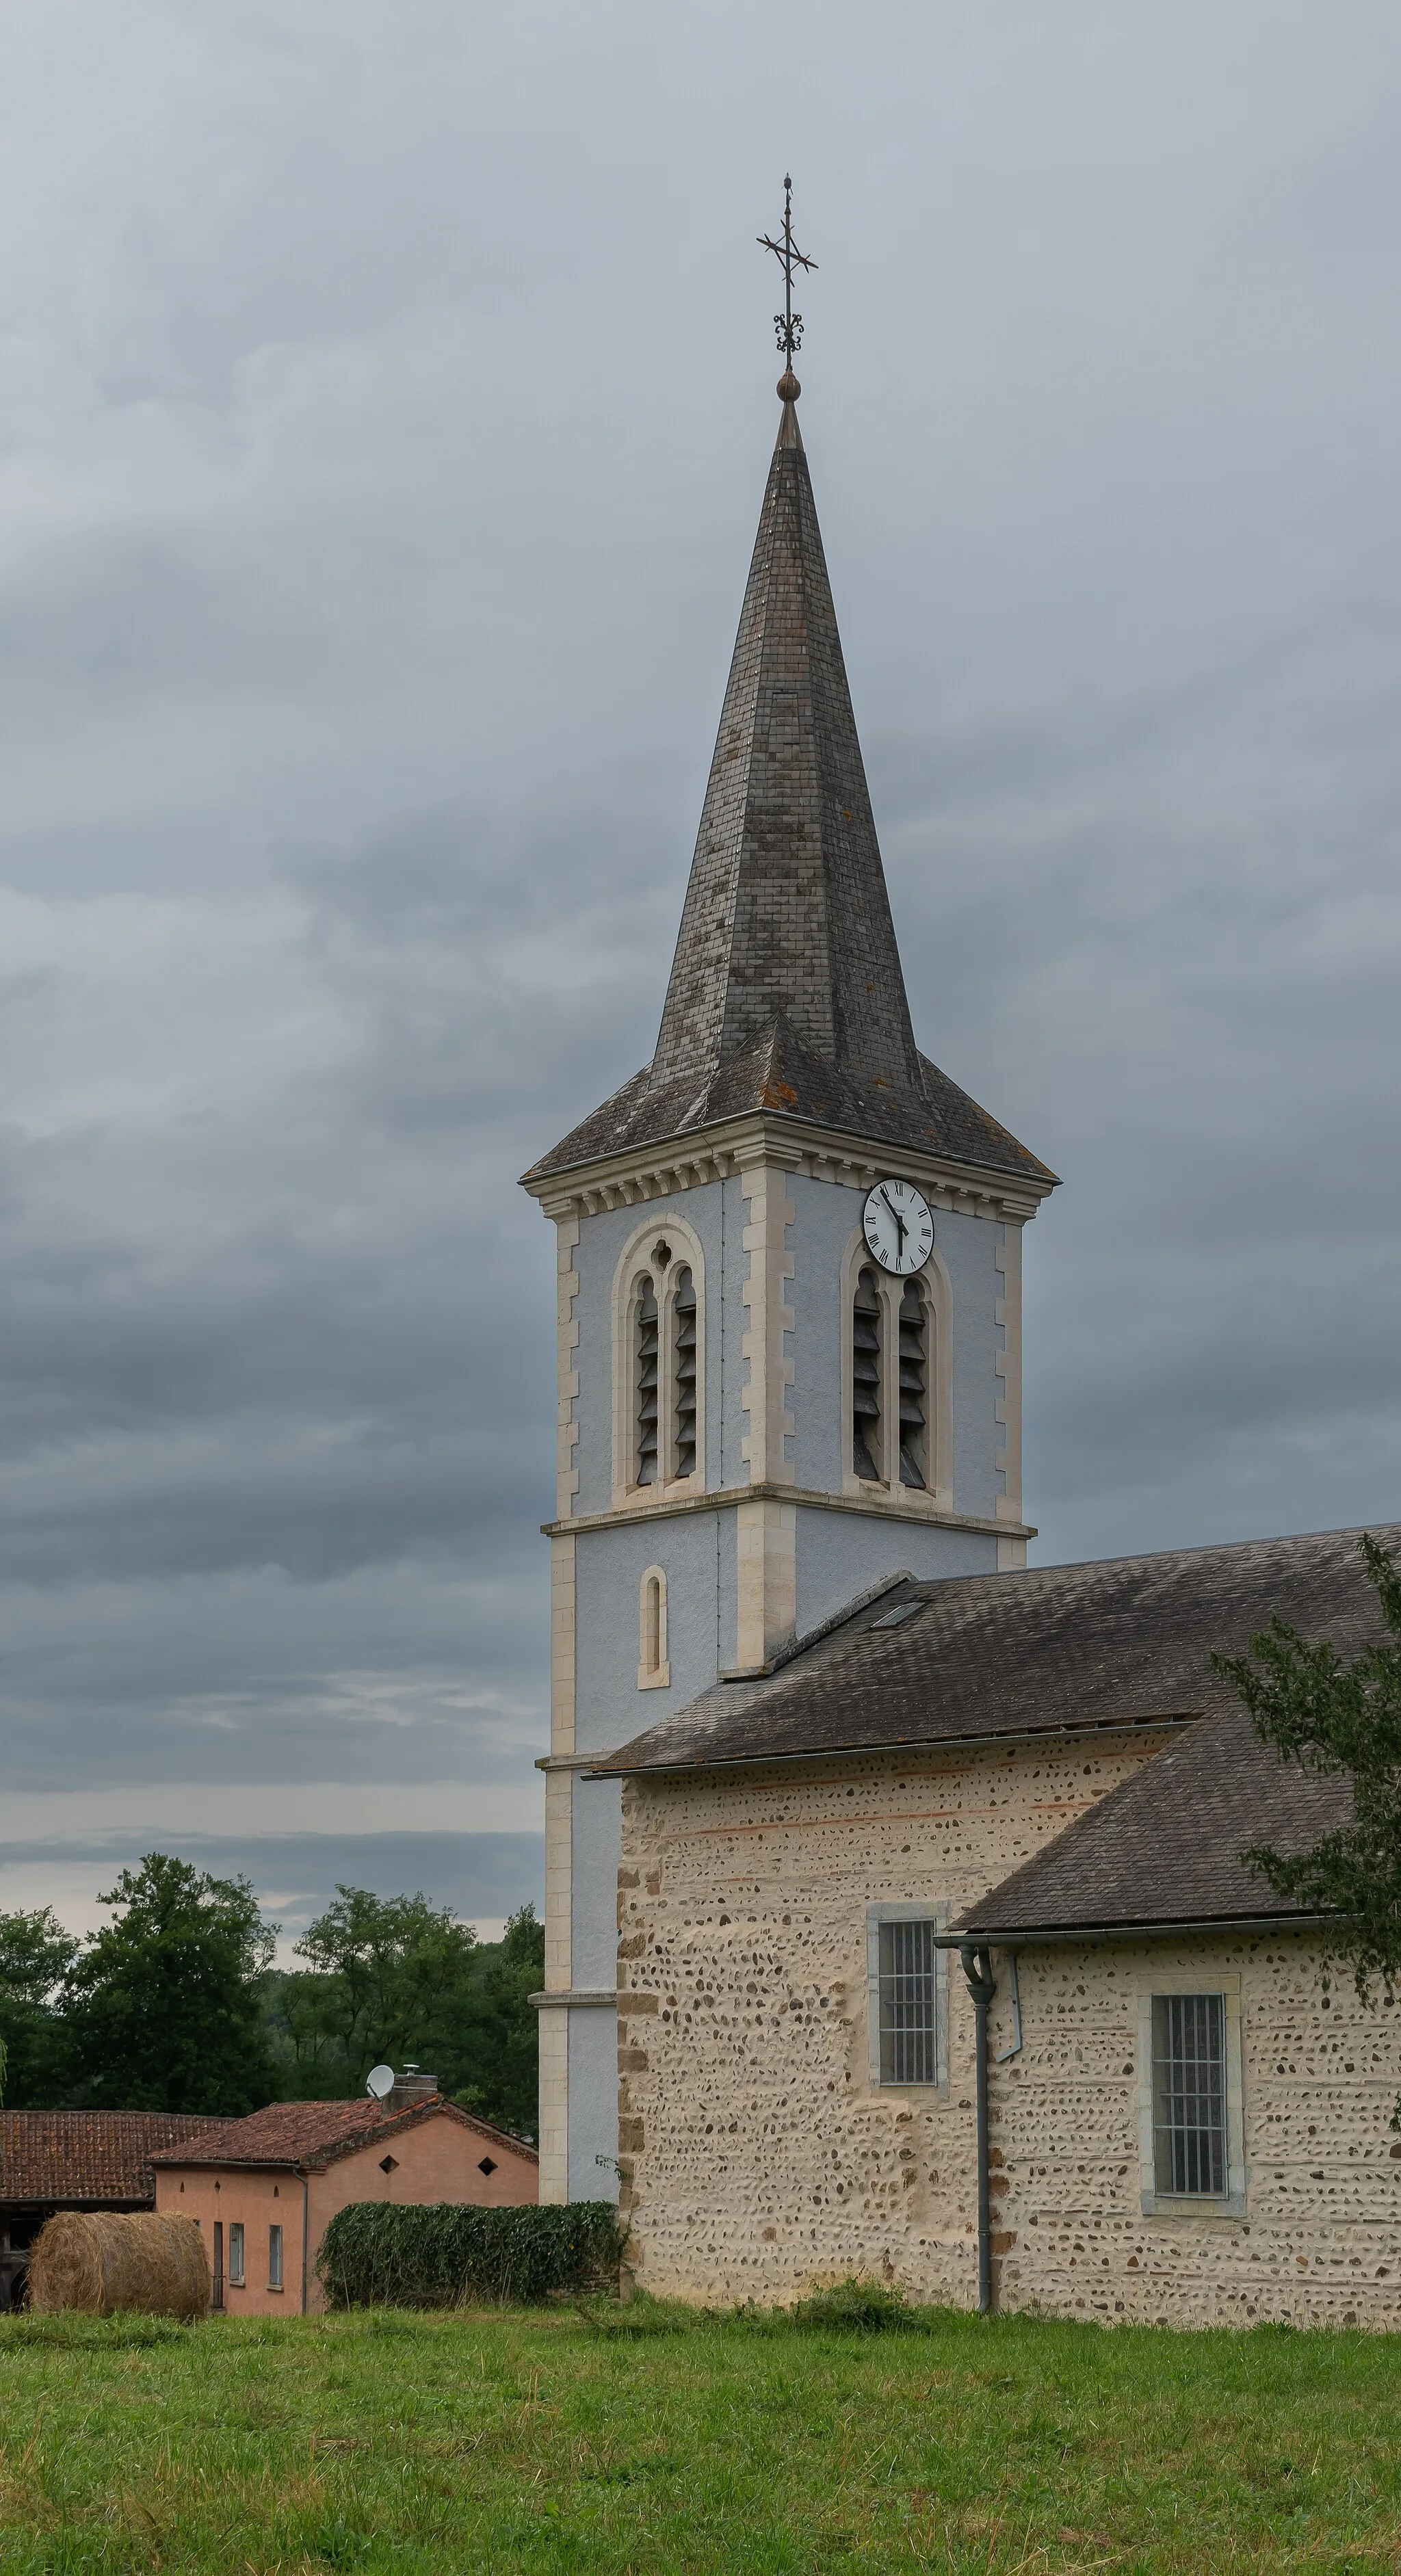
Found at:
(898, 1227)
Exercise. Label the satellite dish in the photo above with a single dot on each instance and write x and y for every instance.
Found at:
(380, 2081)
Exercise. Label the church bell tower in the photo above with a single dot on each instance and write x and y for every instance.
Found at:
(789, 1264)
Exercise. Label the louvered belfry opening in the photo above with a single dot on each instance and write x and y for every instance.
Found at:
(865, 1378)
(647, 1351)
(914, 1387)
(684, 1369)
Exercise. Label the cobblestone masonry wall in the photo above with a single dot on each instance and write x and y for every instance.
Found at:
(1320, 2239)
(757, 2157)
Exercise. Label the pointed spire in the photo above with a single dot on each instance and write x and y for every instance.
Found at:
(786, 916)
(786, 996)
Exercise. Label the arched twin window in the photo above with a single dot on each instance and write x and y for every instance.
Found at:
(658, 1391)
(898, 1381)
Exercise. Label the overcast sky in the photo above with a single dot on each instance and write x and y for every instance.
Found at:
(385, 404)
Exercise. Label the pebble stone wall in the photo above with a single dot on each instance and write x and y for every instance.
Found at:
(1320, 2239)
(758, 2160)
(756, 2155)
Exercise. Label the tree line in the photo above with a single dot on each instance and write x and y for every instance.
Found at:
(176, 2005)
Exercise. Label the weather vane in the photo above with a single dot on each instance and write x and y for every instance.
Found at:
(787, 324)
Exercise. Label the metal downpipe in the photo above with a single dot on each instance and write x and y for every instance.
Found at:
(982, 1986)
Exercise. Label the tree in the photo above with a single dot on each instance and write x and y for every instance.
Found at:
(35, 1957)
(503, 2028)
(400, 1980)
(383, 1971)
(1343, 1720)
(164, 2004)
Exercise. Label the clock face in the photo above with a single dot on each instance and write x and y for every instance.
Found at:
(898, 1227)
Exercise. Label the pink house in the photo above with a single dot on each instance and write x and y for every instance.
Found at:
(263, 2189)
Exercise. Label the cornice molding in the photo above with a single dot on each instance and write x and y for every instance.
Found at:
(657, 1171)
(906, 1515)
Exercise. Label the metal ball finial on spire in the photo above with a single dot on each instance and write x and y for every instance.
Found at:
(787, 324)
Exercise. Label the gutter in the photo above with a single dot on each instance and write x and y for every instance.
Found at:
(982, 1986)
(991, 1936)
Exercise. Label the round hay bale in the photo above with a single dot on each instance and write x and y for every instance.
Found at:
(156, 2267)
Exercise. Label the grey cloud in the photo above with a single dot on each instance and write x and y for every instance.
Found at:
(380, 532)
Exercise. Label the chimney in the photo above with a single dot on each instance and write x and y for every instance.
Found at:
(411, 2088)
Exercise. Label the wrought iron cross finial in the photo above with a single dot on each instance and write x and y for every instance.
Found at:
(787, 324)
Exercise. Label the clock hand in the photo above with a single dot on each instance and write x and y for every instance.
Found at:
(899, 1220)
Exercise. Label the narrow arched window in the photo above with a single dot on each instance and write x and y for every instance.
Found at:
(653, 1670)
(683, 1348)
(915, 1329)
(866, 1379)
(647, 1339)
(651, 1624)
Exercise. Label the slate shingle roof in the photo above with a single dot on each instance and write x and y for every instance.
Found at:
(786, 990)
(316, 2133)
(785, 1080)
(1165, 1847)
(1108, 1645)
(88, 2157)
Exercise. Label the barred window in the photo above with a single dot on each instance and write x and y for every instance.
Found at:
(915, 1327)
(647, 1349)
(909, 2019)
(1189, 2096)
(236, 2254)
(683, 1346)
(907, 1994)
(866, 1440)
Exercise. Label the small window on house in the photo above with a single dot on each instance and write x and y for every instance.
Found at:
(389, 2164)
(646, 1334)
(684, 1369)
(865, 1379)
(235, 2255)
(487, 2165)
(914, 1387)
(274, 2258)
(1189, 2096)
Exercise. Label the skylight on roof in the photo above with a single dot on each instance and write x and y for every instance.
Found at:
(902, 1610)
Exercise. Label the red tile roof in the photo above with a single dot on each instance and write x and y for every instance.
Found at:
(88, 2156)
(315, 2133)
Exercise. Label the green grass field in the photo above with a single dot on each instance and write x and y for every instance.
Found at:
(637, 2440)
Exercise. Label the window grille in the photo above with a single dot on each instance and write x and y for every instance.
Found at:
(647, 1384)
(684, 1364)
(909, 2003)
(914, 1385)
(274, 2258)
(236, 2254)
(865, 1379)
(1189, 2096)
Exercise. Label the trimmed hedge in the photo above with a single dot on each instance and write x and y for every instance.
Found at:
(377, 2255)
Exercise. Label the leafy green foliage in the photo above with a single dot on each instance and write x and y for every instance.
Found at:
(163, 2006)
(380, 2254)
(1343, 1719)
(854, 2307)
(36, 1955)
(394, 1980)
(175, 2005)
